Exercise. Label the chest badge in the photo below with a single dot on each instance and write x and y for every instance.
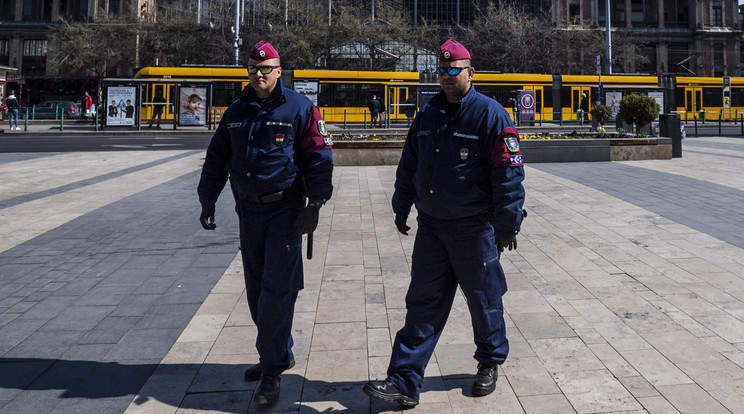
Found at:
(464, 153)
(279, 140)
(512, 144)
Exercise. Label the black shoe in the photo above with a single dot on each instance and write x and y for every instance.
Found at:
(253, 373)
(268, 390)
(484, 382)
(386, 391)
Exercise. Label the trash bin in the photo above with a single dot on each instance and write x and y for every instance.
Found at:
(669, 126)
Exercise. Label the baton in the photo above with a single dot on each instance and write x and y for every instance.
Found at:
(309, 245)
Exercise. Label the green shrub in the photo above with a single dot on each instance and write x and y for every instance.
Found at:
(639, 109)
(601, 113)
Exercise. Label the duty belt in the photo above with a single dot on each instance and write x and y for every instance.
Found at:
(270, 197)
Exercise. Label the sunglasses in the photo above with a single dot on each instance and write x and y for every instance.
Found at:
(252, 70)
(451, 71)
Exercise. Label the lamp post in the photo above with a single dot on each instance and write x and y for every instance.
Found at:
(608, 36)
(236, 44)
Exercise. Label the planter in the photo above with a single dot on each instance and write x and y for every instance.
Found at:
(534, 151)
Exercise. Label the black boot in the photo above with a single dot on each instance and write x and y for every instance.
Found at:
(268, 390)
(253, 373)
(484, 382)
(386, 391)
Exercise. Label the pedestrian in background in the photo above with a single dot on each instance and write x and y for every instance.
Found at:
(86, 103)
(583, 108)
(157, 108)
(383, 111)
(12, 107)
(273, 146)
(374, 110)
(462, 167)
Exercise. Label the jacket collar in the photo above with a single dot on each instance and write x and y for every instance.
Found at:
(440, 100)
(275, 99)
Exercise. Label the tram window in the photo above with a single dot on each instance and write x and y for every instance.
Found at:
(367, 90)
(346, 95)
(493, 91)
(325, 94)
(547, 97)
(225, 93)
(566, 97)
(679, 96)
(713, 97)
(538, 100)
(737, 96)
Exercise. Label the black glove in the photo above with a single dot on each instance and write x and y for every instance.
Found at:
(400, 223)
(507, 241)
(308, 219)
(207, 218)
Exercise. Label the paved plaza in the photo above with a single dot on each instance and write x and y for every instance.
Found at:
(626, 294)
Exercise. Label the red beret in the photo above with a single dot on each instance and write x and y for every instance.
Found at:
(452, 50)
(263, 50)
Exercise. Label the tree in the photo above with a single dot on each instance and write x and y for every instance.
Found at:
(601, 113)
(104, 48)
(639, 109)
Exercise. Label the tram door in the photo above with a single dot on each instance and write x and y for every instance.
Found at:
(576, 95)
(399, 105)
(693, 101)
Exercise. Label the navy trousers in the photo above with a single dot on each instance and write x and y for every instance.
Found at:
(448, 253)
(271, 247)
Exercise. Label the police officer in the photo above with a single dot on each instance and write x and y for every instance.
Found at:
(462, 167)
(273, 146)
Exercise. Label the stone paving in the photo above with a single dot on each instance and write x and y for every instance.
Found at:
(626, 294)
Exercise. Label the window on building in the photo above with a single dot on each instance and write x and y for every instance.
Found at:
(34, 47)
(574, 11)
(3, 47)
(73, 9)
(37, 10)
(7, 10)
(716, 17)
(718, 60)
(113, 9)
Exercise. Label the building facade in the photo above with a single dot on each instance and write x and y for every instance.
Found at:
(693, 37)
(23, 43)
(684, 37)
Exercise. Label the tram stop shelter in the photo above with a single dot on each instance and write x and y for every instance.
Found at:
(131, 102)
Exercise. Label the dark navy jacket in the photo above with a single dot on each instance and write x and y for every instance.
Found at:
(268, 146)
(462, 163)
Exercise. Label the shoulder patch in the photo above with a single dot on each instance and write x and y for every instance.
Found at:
(322, 128)
(512, 144)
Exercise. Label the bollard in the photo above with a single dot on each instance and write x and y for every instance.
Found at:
(214, 119)
(62, 121)
(719, 126)
(541, 117)
(344, 118)
(742, 124)
(25, 122)
(696, 131)
(365, 120)
(33, 112)
(95, 120)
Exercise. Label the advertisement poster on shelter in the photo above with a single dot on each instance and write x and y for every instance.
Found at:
(613, 101)
(120, 101)
(307, 88)
(193, 106)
